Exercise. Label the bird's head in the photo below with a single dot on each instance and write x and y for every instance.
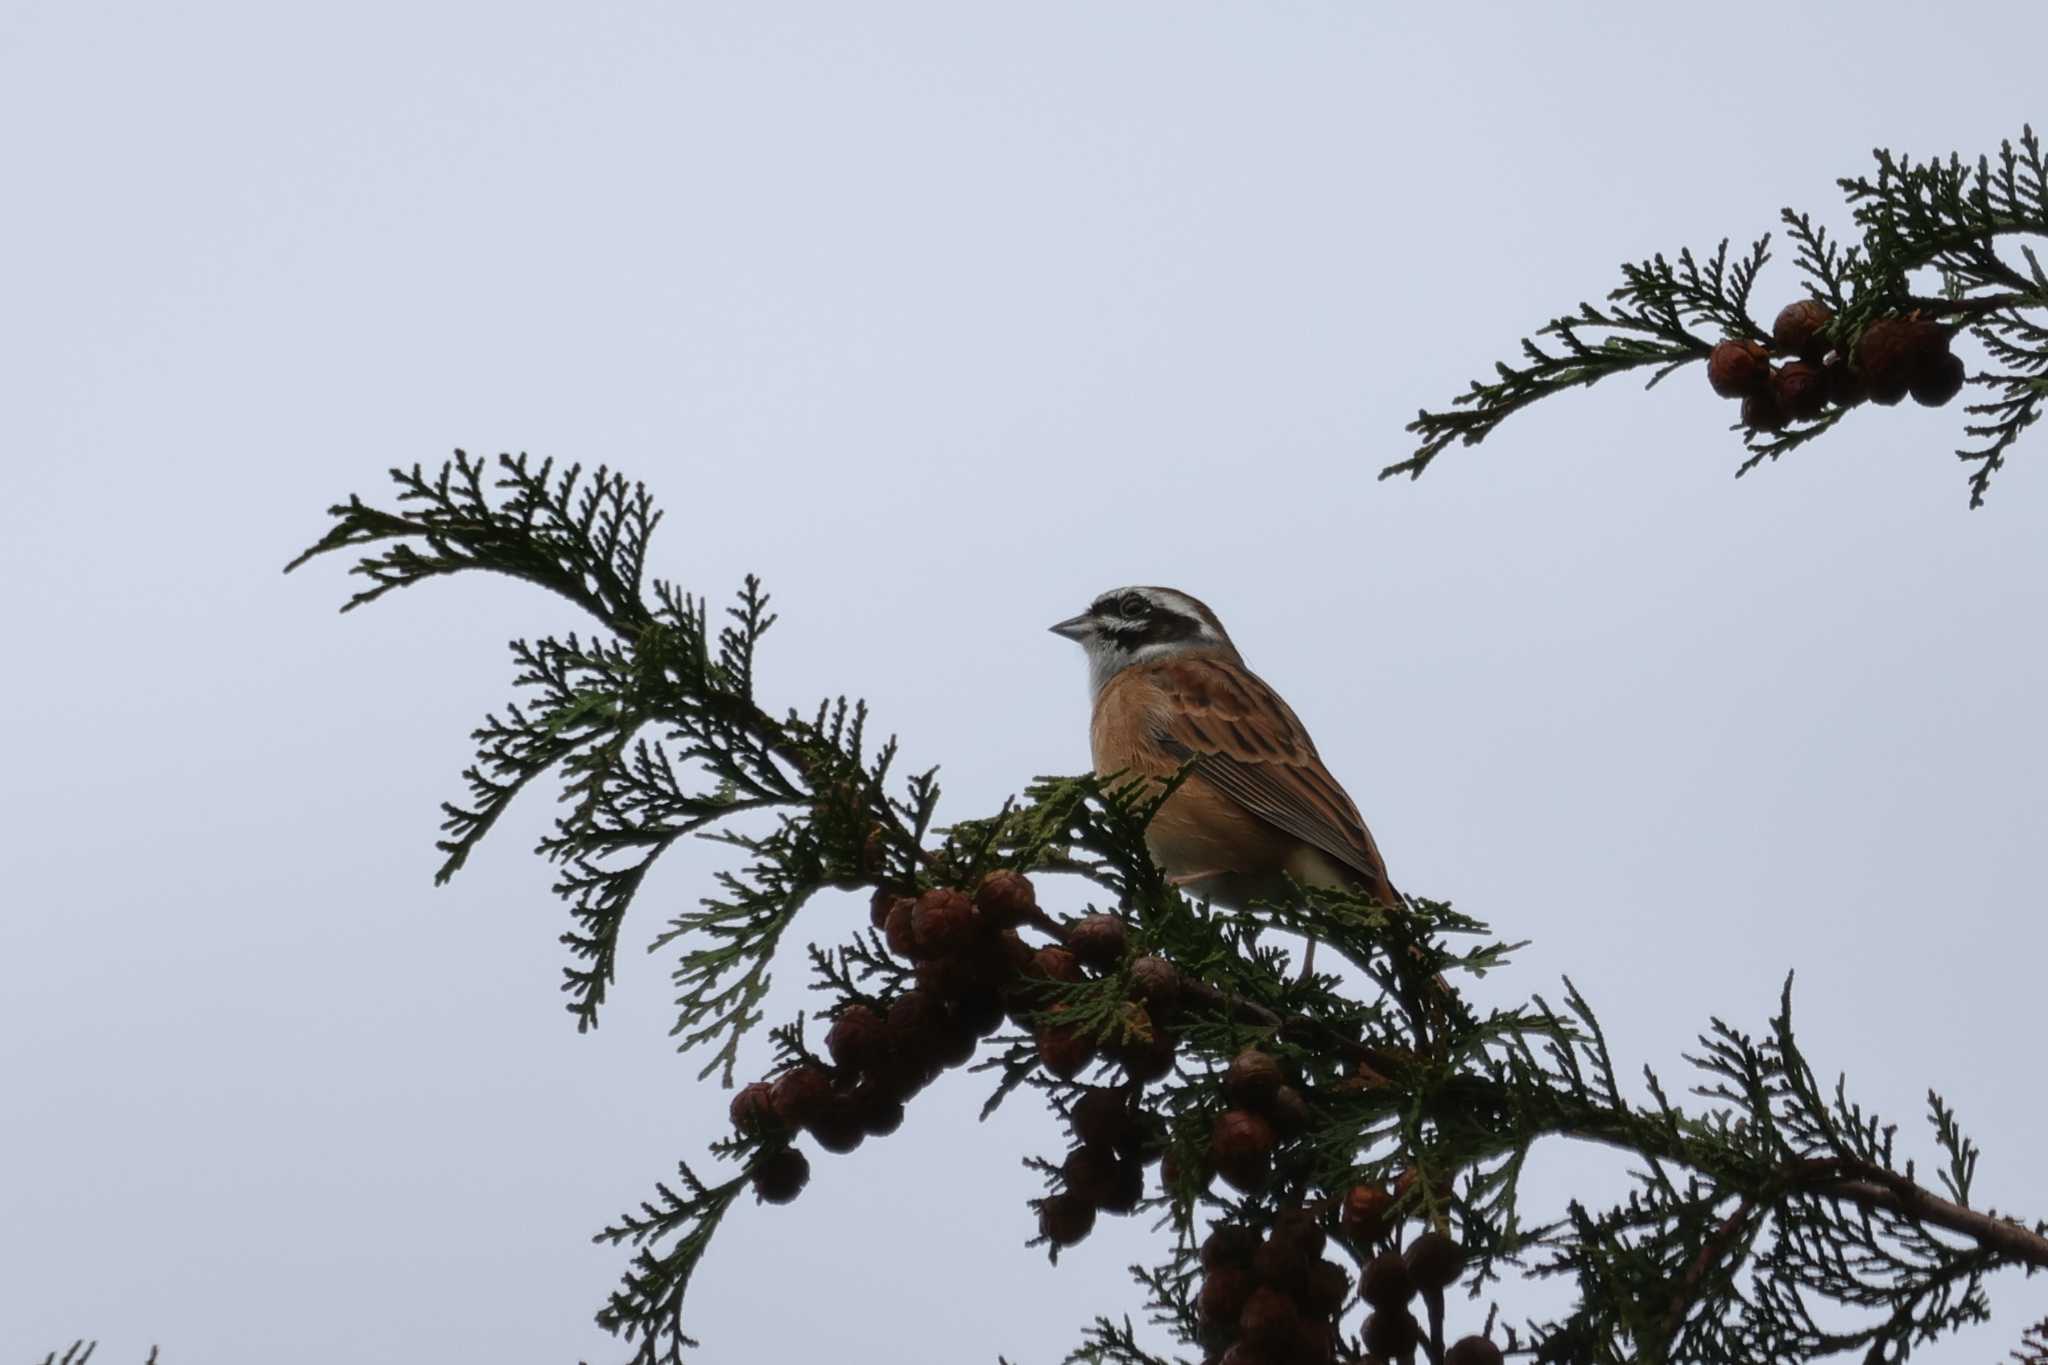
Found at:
(1129, 626)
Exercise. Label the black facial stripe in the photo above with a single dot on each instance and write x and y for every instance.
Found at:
(1161, 627)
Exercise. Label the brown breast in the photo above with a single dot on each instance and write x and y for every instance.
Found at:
(1259, 803)
(1199, 830)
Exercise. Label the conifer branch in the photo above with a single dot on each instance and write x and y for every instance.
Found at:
(1291, 1121)
(648, 1306)
(1956, 219)
(664, 664)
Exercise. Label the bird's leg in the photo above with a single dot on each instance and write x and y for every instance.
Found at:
(1185, 879)
(1308, 962)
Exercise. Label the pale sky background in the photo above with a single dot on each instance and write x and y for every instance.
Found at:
(941, 317)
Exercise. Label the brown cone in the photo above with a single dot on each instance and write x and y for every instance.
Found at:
(856, 1035)
(1252, 1077)
(898, 932)
(915, 1020)
(753, 1111)
(1098, 940)
(1801, 390)
(1065, 1218)
(980, 1010)
(800, 1094)
(1760, 410)
(881, 1113)
(1329, 1285)
(943, 922)
(1224, 1291)
(1055, 964)
(1300, 1228)
(1101, 1117)
(838, 1127)
(1006, 897)
(1156, 981)
(1065, 1051)
(1391, 1334)
(1844, 385)
(1737, 369)
(1289, 1111)
(1434, 1260)
(1939, 380)
(881, 903)
(1145, 1058)
(1282, 1264)
(781, 1175)
(1269, 1317)
(1093, 1173)
(1386, 1283)
(1892, 351)
(1363, 1216)
(1229, 1244)
(1798, 328)
(1241, 1148)
(1472, 1351)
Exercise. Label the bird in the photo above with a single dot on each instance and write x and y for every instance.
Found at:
(1259, 807)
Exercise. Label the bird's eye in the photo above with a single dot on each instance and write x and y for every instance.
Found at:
(1132, 604)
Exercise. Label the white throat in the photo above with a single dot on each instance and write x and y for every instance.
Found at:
(1106, 660)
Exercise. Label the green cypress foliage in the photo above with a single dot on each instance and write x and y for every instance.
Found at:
(1969, 230)
(1772, 1217)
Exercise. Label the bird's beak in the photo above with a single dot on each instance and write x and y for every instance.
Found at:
(1075, 627)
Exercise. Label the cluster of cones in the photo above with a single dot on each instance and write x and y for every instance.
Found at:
(963, 950)
(1273, 1299)
(1267, 1297)
(1114, 1140)
(1265, 1109)
(972, 969)
(1893, 358)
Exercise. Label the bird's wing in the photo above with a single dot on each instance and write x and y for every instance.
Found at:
(1249, 745)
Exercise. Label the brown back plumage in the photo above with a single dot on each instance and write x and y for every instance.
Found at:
(1248, 743)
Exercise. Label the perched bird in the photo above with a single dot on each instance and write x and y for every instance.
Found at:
(1258, 807)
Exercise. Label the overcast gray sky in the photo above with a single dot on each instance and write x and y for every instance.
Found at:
(941, 317)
